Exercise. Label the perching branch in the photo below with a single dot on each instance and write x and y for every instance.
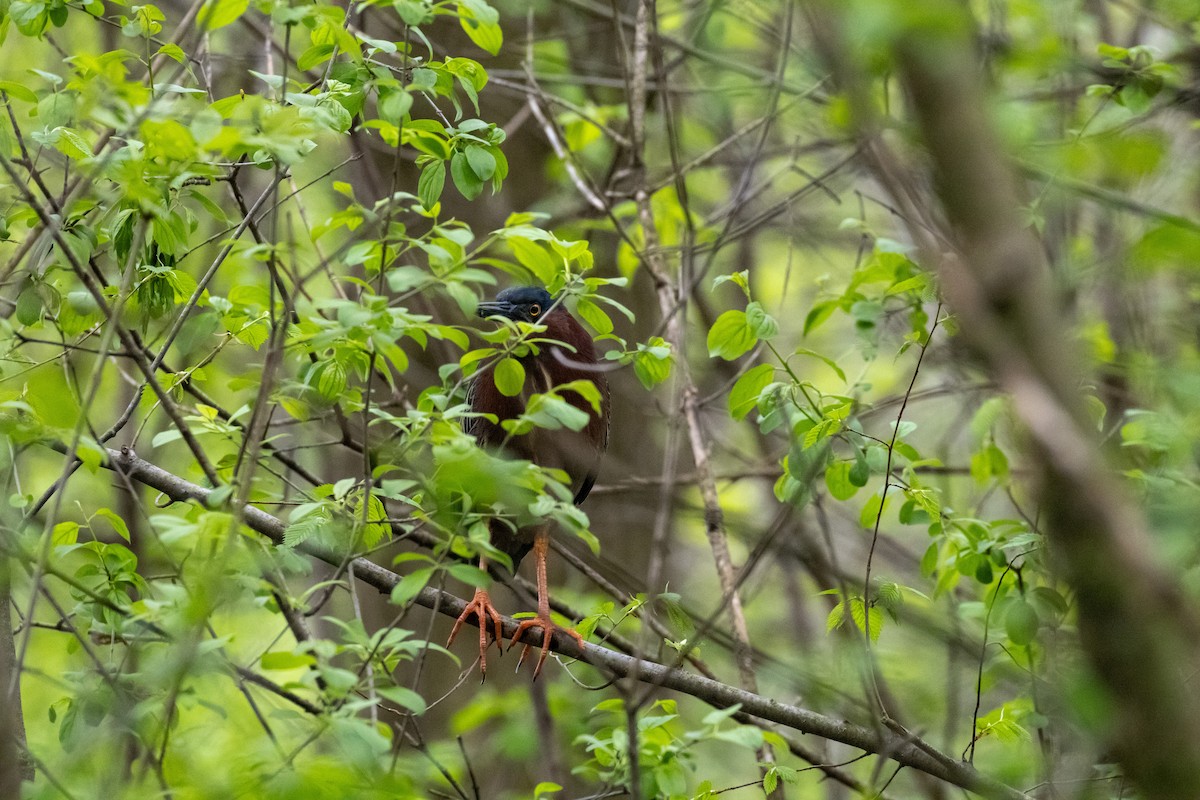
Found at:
(902, 749)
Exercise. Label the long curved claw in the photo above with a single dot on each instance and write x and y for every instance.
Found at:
(548, 628)
(482, 609)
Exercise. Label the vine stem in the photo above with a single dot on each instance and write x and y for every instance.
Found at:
(887, 484)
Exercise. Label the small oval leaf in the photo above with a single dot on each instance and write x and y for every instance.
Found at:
(510, 377)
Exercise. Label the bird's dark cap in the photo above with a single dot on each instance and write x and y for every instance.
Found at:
(525, 303)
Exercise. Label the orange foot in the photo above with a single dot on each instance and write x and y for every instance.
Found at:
(482, 609)
(542, 620)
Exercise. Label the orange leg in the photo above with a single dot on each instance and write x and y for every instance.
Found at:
(541, 547)
(482, 609)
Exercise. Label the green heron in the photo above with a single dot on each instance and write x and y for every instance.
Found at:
(578, 453)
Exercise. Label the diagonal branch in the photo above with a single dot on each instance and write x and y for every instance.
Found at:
(902, 749)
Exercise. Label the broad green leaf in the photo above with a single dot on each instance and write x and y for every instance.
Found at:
(1021, 622)
(403, 697)
(317, 54)
(742, 279)
(837, 480)
(859, 613)
(465, 179)
(482, 163)
(71, 144)
(65, 533)
(651, 365)
(730, 336)
(172, 51)
(671, 779)
(585, 388)
(818, 314)
(759, 321)
(286, 660)
(414, 12)
(533, 257)
(18, 91)
(770, 781)
(117, 523)
(470, 574)
(509, 376)
(431, 183)
(331, 379)
(394, 105)
(29, 306)
(594, 316)
(743, 397)
(411, 585)
(829, 362)
(219, 13)
(480, 26)
(836, 617)
(871, 512)
(860, 472)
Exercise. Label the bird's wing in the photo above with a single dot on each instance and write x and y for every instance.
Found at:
(599, 443)
(470, 424)
(589, 481)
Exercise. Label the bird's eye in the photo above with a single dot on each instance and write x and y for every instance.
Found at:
(534, 310)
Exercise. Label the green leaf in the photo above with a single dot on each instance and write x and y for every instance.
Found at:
(730, 336)
(479, 21)
(829, 362)
(836, 617)
(595, 316)
(394, 105)
(860, 473)
(431, 183)
(837, 480)
(413, 12)
(71, 144)
(986, 417)
(468, 573)
(29, 306)
(551, 412)
(671, 779)
(65, 533)
(818, 314)
(19, 91)
(465, 179)
(988, 463)
(331, 379)
(118, 524)
(652, 362)
(743, 397)
(746, 736)
(742, 279)
(30, 17)
(1021, 622)
(762, 323)
(428, 143)
(859, 613)
(172, 51)
(509, 376)
(317, 54)
(411, 585)
(286, 660)
(482, 163)
(871, 512)
(403, 697)
(219, 13)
